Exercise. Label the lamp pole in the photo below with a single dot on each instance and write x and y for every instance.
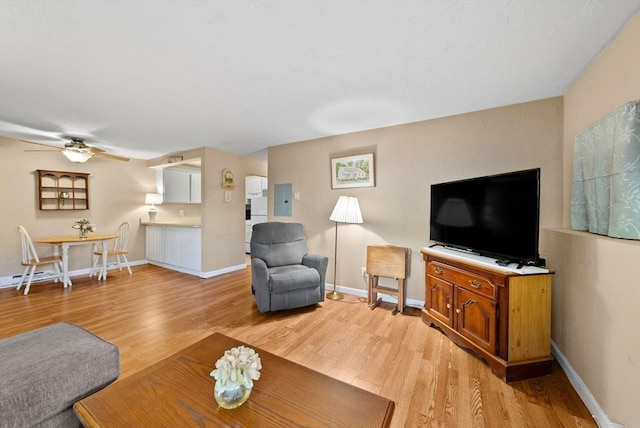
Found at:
(334, 295)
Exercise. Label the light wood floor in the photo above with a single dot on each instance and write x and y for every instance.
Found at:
(157, 312)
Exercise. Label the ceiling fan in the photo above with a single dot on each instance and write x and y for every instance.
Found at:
(77, 151)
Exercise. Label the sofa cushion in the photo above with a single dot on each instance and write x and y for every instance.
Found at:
(287, 278)
(45, 371)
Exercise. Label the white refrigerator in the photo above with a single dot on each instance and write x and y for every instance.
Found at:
(258, 215)
(259, 210)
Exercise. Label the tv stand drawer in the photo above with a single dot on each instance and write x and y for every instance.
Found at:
(469, 281)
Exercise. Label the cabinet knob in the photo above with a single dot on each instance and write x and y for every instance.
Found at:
(438, 270)
(458, 311)
(475, 284)
(448, 305)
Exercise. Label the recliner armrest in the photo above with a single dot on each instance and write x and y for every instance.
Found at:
(319, 263)
(259, 265)
(260, 283)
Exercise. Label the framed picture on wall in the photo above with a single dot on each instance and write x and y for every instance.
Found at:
(352, 171)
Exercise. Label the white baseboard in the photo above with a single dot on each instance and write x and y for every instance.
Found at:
(587, 397)
(13, 280)
(222, 271)
(198, 273)
(176, 268)
(418, 304)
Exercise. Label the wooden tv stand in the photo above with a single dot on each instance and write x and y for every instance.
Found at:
(503, 316)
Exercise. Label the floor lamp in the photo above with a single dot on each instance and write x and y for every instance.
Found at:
(347, 210)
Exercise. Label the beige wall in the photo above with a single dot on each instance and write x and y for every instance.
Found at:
(596, 315)
(116, 194)
(223, 223)
(116, 191)
(408, 159)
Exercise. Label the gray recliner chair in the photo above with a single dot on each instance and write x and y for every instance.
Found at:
(283, 274)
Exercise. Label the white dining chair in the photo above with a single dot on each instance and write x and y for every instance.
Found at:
(118, 252)
(31, 260)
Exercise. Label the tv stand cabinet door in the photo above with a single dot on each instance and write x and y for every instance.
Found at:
(477, 319)
(440, 300)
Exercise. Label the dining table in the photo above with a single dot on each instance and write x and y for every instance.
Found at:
(61, 244)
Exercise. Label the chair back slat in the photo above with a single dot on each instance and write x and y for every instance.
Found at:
(29, 253)
(122, 240)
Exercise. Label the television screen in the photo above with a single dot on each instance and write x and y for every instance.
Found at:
(496, 216)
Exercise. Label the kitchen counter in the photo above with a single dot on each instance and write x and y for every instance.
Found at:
(169, 222)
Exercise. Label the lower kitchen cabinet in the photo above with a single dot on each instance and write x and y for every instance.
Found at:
(178, 248)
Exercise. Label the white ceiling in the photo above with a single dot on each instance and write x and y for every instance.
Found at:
(146, 78)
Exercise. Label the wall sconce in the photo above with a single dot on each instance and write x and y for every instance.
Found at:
(152, 199)
(227, 179)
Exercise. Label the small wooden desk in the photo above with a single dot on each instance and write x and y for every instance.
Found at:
(66, 241)
(387, 261)
(178, 392)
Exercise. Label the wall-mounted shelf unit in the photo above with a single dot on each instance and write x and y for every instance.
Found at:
(61, 190)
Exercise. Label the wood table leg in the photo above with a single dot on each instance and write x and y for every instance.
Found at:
(103, 271)
(65, 266)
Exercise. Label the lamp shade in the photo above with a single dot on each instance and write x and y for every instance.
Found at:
(153, 198)
(347, 210)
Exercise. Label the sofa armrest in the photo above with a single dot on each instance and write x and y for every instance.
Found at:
(44, 371)
(260, 283)
(319, 263)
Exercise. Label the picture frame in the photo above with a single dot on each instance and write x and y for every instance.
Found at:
(353, 171)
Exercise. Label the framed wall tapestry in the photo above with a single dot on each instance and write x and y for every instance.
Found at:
(352, 171)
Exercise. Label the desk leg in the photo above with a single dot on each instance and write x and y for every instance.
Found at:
(373, 294)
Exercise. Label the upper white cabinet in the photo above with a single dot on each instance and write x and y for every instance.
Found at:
(195, 192)
(182, 186)
(177, 186)
(255, 186)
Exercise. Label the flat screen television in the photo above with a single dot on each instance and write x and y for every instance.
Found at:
(496, 216)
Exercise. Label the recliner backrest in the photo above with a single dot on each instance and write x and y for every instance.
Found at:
(279, 244)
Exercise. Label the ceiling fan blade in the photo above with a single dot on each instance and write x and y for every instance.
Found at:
(78, 146)
(113, 157)
(41, 144)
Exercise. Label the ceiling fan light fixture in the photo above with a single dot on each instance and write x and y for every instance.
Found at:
(77, 156)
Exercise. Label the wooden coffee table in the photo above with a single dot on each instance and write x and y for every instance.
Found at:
(178, 391)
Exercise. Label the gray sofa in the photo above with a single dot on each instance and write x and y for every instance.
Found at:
(44, 372)
(283, 273)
